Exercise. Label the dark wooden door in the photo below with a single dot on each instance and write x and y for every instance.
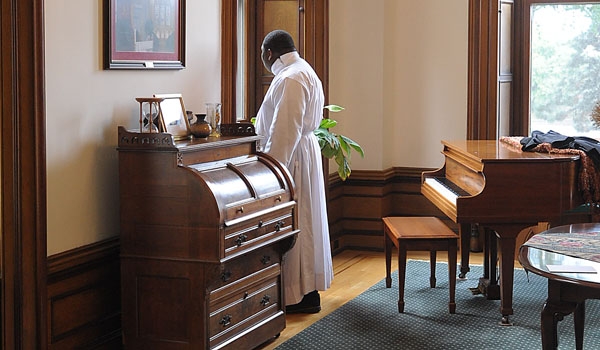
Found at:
(244, 26)
(306, 21)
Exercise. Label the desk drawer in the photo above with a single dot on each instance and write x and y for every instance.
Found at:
(247, 265)
(252, 232)
(243, 308)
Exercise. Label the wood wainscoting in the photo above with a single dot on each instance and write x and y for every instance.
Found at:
(84, 298)
(357, 205)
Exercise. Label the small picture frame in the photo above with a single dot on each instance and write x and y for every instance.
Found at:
(172, 117)
(144, 34)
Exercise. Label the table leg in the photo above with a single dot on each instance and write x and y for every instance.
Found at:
(401, 276)
(388, 259)
(549, 322)
(579, 320)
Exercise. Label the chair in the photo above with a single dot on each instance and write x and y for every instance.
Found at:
(419, 234)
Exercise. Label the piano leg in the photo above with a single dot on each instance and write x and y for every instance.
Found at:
(504, 242)
(465, 245)
(488, 284)
(507, 273)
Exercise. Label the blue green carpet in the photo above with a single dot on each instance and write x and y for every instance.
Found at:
(371, 320)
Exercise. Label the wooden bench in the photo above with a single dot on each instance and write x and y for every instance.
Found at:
(414, 234)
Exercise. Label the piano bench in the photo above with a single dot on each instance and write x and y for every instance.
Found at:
(419, 234)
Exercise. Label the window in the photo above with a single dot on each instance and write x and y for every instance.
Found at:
(549, 78)
(564, 68)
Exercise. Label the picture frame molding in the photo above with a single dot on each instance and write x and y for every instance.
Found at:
(115, 59)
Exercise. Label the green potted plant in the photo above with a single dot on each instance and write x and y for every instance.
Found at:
(334, 145)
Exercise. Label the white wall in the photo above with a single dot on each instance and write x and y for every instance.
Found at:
(400, 69)
(398, 66)
(85, 104)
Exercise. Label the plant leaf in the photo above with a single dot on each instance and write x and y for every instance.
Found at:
(334, 108)
(327, 123)
(354, 145)
(343, 166)
(344, 146)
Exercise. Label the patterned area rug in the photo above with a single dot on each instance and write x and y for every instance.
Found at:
(372, 321)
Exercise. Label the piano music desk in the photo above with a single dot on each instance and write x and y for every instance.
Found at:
(419, 233)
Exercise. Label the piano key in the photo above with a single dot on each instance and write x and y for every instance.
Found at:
(445, 188)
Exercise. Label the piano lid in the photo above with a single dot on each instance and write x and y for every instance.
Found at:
(505, 183)
(475, 153)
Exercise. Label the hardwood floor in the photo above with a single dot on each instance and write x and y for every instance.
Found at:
(354, 271)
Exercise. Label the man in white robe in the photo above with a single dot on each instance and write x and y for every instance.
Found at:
(291, 110)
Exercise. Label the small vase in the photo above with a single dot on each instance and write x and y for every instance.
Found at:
(201, 128)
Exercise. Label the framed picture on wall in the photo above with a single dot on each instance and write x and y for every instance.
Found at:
(144, 34)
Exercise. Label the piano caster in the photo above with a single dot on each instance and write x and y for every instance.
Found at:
(505, 321)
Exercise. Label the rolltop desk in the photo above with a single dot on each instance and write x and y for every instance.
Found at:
(205, 225)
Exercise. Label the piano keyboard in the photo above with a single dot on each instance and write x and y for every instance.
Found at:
(446, 188)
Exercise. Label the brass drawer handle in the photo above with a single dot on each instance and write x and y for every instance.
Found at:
(260, 223)
(240, 210)
(278, 199)
(225, 321)
(279, 225)
(265, 300)
(266, 259)
(241, 239)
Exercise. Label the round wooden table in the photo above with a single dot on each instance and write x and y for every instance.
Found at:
(567, 291)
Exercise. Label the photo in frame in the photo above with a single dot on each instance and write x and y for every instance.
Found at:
(144, 34)
(172, 116)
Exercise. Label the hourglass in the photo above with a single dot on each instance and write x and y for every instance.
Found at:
(149, 112)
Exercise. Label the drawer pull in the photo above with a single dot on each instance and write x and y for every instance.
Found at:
(265, 300)
(278, 199)
(241, 239)
(260, 223)
(266, 259)
(226, 320)
(279, 225)
(240, 210)
(225, 276)
(245, 295)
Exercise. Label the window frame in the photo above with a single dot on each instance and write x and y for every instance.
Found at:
(482, 118)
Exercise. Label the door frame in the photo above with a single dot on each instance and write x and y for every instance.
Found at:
(23, 170)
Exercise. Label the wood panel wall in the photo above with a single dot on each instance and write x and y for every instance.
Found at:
(357, 205)
(84, 298)
(84, 283)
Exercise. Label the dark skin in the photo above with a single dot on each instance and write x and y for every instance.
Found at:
(270, 56)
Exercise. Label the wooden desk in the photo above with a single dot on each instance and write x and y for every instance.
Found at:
(567, 292)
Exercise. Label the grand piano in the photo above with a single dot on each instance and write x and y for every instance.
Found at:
(504, 190)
